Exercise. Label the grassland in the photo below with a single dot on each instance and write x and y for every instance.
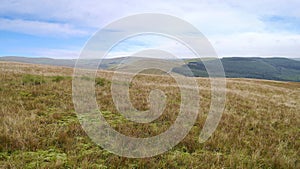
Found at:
(260, 127)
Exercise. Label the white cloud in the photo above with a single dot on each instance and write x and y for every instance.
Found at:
(40, 28)
(57, 53)
(258, 44)
(95, 13)
(235, 28)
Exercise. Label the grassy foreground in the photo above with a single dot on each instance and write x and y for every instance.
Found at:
(260, 127)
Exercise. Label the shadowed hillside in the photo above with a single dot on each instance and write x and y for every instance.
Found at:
(260, 68)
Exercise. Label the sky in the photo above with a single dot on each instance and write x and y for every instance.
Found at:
(61, 28)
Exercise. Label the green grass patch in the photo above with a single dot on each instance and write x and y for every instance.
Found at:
(58, 78)
(32, 80)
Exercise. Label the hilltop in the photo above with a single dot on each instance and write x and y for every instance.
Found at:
(39, 127)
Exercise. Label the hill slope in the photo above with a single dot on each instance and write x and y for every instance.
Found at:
(261, 68)
(92, 63)
(237, 67)
(39, 128)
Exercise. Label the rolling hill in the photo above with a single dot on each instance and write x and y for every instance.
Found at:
(282, 69)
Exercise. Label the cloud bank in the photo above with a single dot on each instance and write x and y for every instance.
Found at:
(235, 28)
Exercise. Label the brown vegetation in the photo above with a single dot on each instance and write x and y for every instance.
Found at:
(39, 129)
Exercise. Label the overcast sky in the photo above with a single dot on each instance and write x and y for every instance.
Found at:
(60, 28)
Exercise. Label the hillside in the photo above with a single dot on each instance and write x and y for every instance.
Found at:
(105, 64)
(282, 69)
(39, 128)
(260, 68)
(298, 59)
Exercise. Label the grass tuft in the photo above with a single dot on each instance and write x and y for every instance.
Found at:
(32, 80)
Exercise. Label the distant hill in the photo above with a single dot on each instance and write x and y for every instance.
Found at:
(298, 59)
(106, 64)
(92, 63)
(47, 61)
(253, 67)
(282, 69)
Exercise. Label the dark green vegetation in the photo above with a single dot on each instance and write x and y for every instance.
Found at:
(39, 128)
(260, 68)
(32, 80)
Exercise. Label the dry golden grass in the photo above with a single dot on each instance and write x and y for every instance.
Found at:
(39, 129)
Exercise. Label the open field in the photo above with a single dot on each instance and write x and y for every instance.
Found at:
(260, 127)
